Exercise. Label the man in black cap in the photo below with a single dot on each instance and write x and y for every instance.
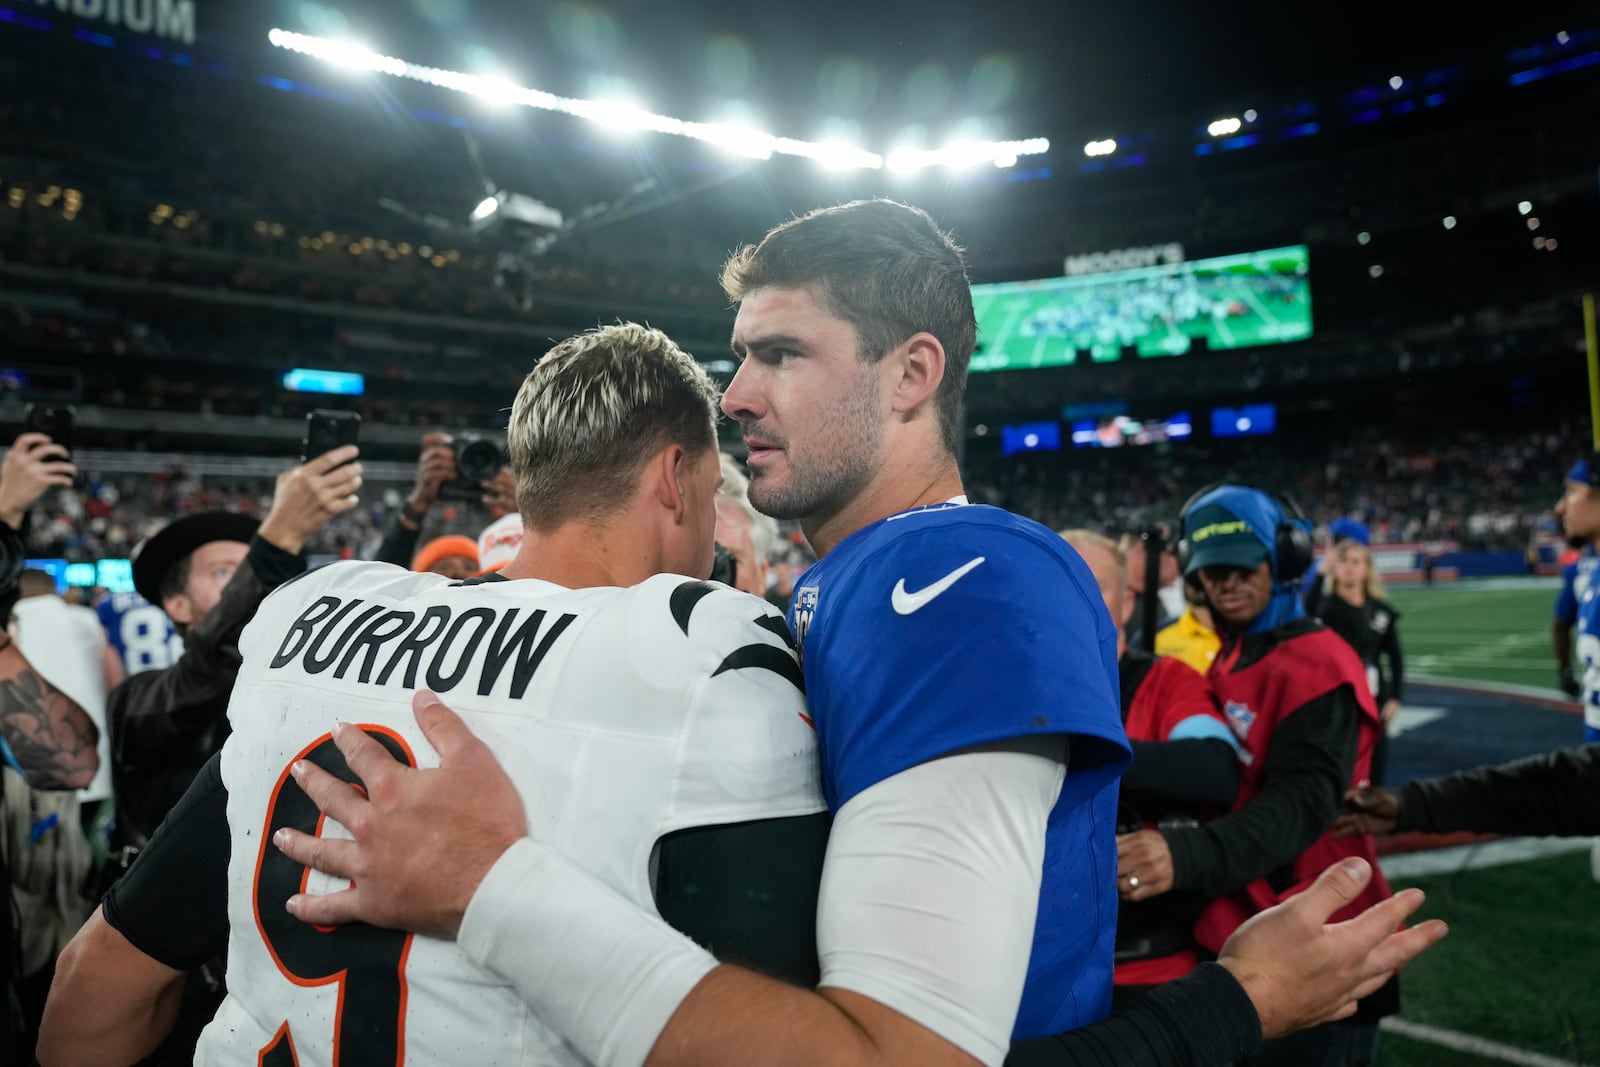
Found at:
(209, 572)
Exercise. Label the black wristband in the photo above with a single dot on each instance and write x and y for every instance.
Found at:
(411, 513)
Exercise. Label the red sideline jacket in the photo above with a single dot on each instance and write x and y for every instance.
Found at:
(1306, 664)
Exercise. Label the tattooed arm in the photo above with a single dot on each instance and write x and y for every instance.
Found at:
(51, 736)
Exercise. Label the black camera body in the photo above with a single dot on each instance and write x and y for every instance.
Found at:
(478, 459)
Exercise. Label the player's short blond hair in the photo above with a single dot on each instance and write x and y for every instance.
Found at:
(1080, 539)
(591, 413)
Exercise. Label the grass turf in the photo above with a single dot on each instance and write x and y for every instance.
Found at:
(1518, 967)
(1519, 964)
(1485, 633)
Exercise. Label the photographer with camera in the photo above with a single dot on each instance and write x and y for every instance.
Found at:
(209, 572)
(471, 468)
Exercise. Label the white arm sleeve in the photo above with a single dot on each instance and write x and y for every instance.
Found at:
(599, 969)
(929, 894)
(931, 889)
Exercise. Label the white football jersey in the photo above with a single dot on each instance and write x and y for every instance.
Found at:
(621, 715)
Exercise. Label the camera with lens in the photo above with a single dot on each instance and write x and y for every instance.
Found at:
(478, 459)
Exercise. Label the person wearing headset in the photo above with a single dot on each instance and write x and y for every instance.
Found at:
(1297, 698)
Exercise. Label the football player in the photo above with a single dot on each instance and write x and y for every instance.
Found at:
(1579, 509)
(961, 672)
(656, 723)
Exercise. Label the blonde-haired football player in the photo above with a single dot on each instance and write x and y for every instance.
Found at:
(656, 722)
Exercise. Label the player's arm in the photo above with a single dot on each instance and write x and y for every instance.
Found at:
(747, 892)
(1552, 793)
(1295, 970)
(915, 967)
(1196, 761)
(119, 982)
(110, 1004)
(49, 734)
(1308, 765)
(1390, 648)
(1561, 643)
(1561, 626)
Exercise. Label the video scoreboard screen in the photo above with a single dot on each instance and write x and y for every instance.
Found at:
(1255, 298)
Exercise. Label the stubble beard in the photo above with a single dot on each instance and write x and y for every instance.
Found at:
(824, 477)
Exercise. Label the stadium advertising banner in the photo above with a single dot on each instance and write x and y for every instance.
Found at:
(1254, 298)
(1124, 259)
(172, 19)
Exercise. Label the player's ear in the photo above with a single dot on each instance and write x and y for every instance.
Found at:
(918, 367)
(671, 474)
(179, 608)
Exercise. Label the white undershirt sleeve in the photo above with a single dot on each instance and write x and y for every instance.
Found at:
(929, 894)
(598, 968)
(931, 888)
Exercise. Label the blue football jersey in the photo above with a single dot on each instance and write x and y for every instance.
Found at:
(1576, 577)
(1584, 590)
(140, 632)
(957, 625)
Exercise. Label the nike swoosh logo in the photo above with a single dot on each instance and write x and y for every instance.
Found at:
(905, 603)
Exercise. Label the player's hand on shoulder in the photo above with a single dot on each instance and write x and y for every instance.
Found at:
(421, 841)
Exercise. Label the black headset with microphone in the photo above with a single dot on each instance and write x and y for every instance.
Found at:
(1292, 548)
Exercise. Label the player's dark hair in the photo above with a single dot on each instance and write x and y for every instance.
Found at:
(176, 580)
(884, 267)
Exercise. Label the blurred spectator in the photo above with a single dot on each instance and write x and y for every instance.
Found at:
(67, 646)
(1352, 605)
(47, 750)
(1339, 531)
(140, 634)
(453, 556)
(749, 536)
(435, 467)
(1192, 637)
(1185, 769)
(209, 572)
(1169, 591)
(51, 857)
(1577, 578)
(499, 542)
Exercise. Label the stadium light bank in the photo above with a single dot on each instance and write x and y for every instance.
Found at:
(1100, 148)
(626, 116)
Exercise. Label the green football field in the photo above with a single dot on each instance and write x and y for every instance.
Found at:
(1231, 302)
(1518, 968)
(1520, 965)
(1497, 631)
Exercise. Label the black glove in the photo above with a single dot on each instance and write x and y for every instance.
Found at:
(1569, 684)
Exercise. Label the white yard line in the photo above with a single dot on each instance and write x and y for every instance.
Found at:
(1477, 1046)
(1261, 309)
(1408, 865)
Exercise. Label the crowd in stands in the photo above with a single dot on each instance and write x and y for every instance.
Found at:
(107, 516)
(1485, 490)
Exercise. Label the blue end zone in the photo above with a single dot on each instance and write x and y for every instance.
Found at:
(1450, 727)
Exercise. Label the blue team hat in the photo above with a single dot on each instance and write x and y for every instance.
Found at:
(1586, 470)
(1229, 529)
(1350, 530)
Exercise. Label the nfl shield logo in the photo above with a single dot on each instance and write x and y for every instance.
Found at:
(1240, 717)
(805, 606)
